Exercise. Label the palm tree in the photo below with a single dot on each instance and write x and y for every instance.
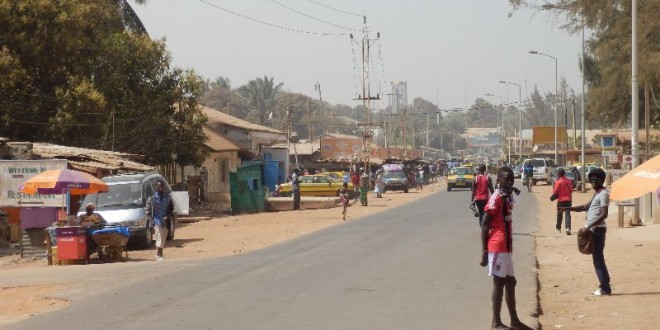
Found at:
(260, 94)
(131, 19)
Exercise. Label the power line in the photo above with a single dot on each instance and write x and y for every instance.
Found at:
(312, 17)
(269, 24)
(335, 9)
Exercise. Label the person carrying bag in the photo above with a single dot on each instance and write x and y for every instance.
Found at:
(597, 211)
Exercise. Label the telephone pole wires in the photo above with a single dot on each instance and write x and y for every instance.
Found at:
(366, 123)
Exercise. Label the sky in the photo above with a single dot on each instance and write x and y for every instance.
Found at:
(450, 52)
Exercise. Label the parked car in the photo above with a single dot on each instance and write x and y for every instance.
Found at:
(337, 175)
(460, 177)
(316, 185)
(517, 171)
(572, 174)
(543, 168)
(124, 204)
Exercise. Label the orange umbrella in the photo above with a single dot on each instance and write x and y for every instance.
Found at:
(63, 181)
(642, 179)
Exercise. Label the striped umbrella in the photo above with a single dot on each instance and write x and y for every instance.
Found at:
(63, 181)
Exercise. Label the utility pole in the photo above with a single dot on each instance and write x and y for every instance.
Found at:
(647, 108)
(317, 87)
(427, 129)
(367, 123)
(309, 121)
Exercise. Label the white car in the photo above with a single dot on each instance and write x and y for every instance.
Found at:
(543, 168)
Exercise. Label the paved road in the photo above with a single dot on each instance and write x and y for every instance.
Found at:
(413, 267)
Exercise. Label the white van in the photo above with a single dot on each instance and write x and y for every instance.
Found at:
(543, 168)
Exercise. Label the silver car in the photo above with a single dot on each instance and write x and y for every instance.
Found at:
(124, 204)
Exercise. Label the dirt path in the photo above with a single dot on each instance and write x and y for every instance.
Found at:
(567, 277)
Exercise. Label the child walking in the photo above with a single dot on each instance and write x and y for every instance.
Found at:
(344, 198)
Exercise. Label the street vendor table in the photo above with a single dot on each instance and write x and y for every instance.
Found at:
(71, 243)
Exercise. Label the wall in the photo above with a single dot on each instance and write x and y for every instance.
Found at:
(219, 165)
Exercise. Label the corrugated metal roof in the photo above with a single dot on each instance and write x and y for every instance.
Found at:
(90, 158)
(301, 148)
(340, 136)
(218, 142)
(219, 117)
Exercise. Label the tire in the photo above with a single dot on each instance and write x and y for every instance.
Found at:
(405, 190)
(448, 187)
(171, 227)
(148, 239)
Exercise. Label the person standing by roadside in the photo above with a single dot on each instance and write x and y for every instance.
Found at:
(346, 177)
(364, 188)
(160, 206)
(497, 248)
(380, 184)
(596, 214)
(355, 178)
(482, 188)
(295, 188)
(563, 192)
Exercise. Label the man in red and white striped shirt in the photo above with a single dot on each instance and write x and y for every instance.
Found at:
(482, 187)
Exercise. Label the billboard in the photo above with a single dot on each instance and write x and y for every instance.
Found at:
(13, 173)
(546, 135)
(341, 148)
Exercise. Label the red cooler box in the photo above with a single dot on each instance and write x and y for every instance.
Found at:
(71, 243)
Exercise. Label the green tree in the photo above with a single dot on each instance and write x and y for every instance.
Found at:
(539, 110)
(608, 59)
(260, 94)
(72, 72)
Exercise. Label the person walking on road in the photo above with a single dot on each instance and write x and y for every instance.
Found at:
(482, 188)
(160, 206)
(528, 174)
(295, 188)
(596, 214)
(563, 193)
(344, 199)
(497, 248)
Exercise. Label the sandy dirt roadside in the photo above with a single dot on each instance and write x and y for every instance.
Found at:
(567, 277)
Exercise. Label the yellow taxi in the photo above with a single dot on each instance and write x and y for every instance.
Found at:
(316, 185)
(337, 175)
(460, 177)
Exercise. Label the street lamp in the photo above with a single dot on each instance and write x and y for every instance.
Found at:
(556, 105)
(502, 130)
(519, 116)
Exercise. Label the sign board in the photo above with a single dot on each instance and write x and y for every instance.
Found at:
(607, 141)
(610, 156)
(546, 134)
(13, 173)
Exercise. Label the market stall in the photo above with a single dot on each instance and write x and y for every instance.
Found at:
(68, 238)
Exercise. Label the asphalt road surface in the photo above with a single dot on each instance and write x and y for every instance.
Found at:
(413, 267)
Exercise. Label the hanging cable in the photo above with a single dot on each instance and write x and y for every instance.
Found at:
(269, 24)
(335, 9)
(382, 67)
(355, 69)
(312, 17)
